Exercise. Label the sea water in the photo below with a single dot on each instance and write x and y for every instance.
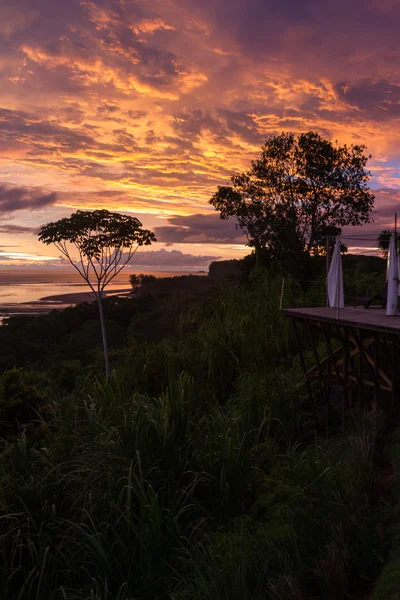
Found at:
(22, 290)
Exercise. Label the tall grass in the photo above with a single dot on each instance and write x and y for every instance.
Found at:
(128, 496)
(238, 330)
(198, 472)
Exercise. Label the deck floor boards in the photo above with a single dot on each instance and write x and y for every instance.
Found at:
(373, 319)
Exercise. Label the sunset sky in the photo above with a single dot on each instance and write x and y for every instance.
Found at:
(147, 105)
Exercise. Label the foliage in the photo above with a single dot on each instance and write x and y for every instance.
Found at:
(384, 241)
(329, 234)
(46, 343)
(388, 587)
(100, 237)
(137, 281)
(297, 189)
(201, 470)
(388, 584)
(218, 332)
(19, 399)
(128, 496)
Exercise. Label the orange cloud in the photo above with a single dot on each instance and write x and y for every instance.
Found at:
(149, 26)
(148, 106)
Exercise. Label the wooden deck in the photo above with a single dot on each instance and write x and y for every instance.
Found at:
(372, 319)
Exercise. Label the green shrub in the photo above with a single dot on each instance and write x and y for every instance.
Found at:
(19, 399)
(388, 586)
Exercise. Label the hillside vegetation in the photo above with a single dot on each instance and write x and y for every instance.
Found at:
(201, 471)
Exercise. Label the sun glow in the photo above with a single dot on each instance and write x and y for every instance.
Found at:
(23, 256)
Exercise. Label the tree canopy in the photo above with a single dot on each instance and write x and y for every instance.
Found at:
(105, 242)
(298, 189)
(384, 241)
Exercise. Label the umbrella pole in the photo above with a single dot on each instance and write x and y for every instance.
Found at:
(327, 267)
(282, 290)
(337, 298)
(395, 239)
(392, 277)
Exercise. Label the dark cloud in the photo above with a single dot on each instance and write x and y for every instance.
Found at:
(9, 228)
(36, 133)
(124, 138)
(195, 229)
(174, 258)
(136, 114)
(379, 98)
(72, 114)
(306, 36)
(387, 202)
(13, 198)
(242, 124)
(108, 109)
(222, 123)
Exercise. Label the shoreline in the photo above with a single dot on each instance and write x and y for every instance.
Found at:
(79, 297)
(56, 302)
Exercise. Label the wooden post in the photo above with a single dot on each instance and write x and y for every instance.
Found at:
(375, 349)
(327, 333)
(344, 391)
(394, 377)
(360, 388)
(358, 340)
(344, 338)
(331, 354)
(337, 299)
(315, 350)
(303, 363)
(282, 289)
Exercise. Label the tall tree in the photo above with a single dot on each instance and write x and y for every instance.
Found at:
(105, 242)
(300, 187)
(327, 239)
(384, 241)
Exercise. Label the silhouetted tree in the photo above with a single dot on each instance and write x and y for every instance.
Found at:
(384, 240)
(137, 281)
(299, 187)
(105, 242)
(330, 232)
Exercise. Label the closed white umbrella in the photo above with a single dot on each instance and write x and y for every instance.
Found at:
(335, 279)
(398, 273)
(392, 278)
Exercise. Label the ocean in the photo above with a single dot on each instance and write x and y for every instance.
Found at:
(32, 290)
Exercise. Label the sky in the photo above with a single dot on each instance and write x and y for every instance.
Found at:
(146, 106)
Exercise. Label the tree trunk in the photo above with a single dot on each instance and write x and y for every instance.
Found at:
(103, 333)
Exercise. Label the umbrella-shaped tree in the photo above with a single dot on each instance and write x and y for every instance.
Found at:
(98, 244)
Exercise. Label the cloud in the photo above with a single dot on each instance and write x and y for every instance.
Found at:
(174, 258)
(10, 257)
(36, 135)
(199, 228)
(12, 20)
(13, 198)
(11, 229)
(156, 259)
(381, 98)
(387, 202)
(148, 106)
